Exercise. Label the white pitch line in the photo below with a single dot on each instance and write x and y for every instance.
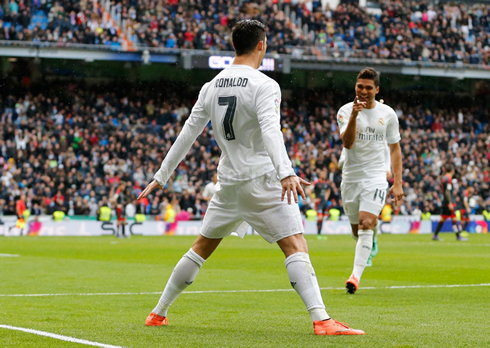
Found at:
(59, 337)
(9, 255)
(252, 291)
(82, 294)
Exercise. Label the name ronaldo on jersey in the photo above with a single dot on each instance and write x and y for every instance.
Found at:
(231, 82)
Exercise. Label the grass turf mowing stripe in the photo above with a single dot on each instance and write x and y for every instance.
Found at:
(58, 337)
(246, 291)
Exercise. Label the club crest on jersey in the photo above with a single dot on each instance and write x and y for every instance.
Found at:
(341, 119)
(381, 121)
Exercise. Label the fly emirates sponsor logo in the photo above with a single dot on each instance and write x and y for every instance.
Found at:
(370, 135)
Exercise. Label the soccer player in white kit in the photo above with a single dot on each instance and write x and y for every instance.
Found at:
(254, 176)
(389, 175)
(365, 125)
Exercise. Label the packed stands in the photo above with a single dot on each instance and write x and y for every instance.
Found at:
(66, 145)
(62, 22)
(401, 30)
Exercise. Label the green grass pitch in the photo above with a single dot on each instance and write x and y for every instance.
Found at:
(404, 303)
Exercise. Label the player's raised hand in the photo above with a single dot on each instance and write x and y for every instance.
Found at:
(153, 185)
(292, 184)
(397, 192)
(358, 106)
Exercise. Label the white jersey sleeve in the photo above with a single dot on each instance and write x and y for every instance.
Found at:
(343, 116)
(194, 126)
(392, 129)
(267, 107)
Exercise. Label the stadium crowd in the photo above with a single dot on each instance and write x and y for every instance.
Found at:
(61, 21)
(404, 30)
(64, 146)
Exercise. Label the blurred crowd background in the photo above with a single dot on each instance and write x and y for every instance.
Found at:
(66, 146)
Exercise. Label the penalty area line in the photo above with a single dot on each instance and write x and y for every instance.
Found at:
(58, 337)
(394, 287)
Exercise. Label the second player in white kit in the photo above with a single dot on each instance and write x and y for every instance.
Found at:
(365, 127)
(365, 163)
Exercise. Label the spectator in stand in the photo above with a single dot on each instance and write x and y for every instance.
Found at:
(187, 201)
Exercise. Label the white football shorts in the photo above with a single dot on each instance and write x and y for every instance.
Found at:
(363, 196)
(256, 202)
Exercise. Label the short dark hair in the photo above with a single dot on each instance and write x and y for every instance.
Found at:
(246, 35)
(369, 74)
(449, 167)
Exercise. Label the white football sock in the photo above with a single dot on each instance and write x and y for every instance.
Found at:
(363, 250)
(303, 280)
(183, 275)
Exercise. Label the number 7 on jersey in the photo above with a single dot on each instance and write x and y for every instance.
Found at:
(230, 103)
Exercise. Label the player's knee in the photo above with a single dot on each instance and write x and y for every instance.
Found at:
(293, 244)
(367, 224)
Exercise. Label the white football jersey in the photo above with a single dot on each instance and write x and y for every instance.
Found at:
(243, 105)
(387, 158)
(366, 160)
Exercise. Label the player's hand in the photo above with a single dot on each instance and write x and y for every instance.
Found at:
(397, 192)
(292, 184)
(357, 107)
(389, 175)
(153, 185)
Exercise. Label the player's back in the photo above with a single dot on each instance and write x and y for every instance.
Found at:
(233, 99)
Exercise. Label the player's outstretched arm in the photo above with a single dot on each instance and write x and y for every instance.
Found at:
(268, 116)
(292, 185)
(194, 126)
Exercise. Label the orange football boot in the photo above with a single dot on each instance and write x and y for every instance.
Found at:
(156, 320)
(334, 327)
(352, 284)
